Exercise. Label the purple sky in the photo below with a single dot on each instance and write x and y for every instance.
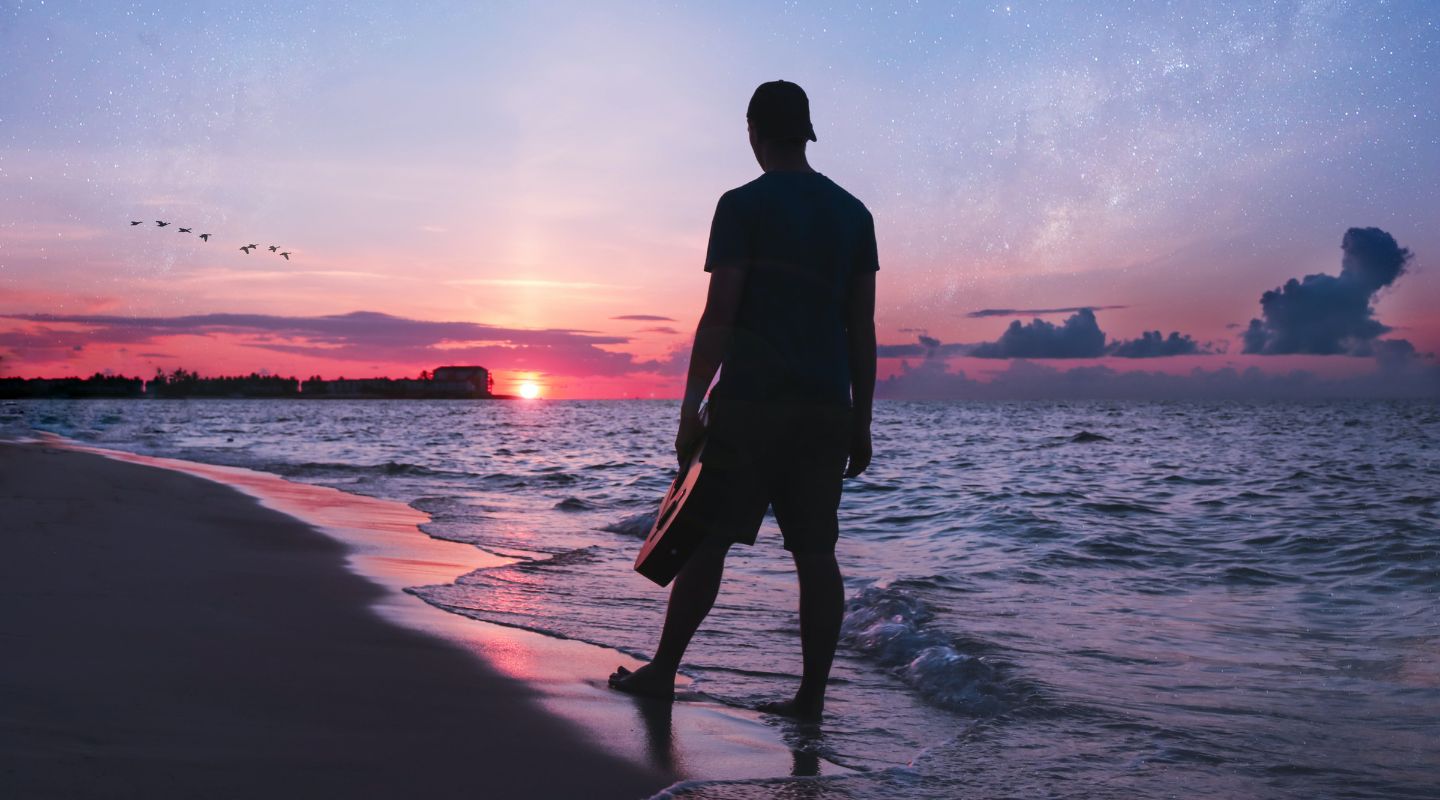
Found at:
(529, 186)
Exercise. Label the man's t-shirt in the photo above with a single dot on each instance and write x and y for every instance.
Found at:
(799, 237)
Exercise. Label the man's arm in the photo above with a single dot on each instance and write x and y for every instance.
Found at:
(722, 302)
(860, 330)
(712, 336)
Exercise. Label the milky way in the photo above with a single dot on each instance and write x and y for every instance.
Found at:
(555, 166)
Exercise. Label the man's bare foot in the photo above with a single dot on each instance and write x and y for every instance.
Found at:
(798, 708)
(647, 681)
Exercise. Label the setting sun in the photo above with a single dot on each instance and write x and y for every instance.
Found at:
(529, 390)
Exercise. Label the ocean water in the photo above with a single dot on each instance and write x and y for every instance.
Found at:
(1098, 599)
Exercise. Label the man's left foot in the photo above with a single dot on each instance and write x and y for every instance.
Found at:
(795, 709)
(647, 681)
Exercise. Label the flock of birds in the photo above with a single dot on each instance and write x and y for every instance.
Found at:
(205, 237)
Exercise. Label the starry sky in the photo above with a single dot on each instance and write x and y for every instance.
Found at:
(1069, 197)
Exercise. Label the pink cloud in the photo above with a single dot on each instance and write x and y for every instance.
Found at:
(362, 336)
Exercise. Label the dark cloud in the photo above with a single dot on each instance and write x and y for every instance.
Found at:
(1153, 344)
(927, 347)
(361, 336)
(644, 318)
(44, 343)
(1025, 380)
(661, 329)
(1079, 336)
(1325, 314)
(1398, 355)
(1018, 312)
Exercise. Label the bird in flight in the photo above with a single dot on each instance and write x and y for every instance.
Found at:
(133, 223)
(205, 237)
(274, 248)
(287, 256)
(246, 248)
(183, 230)
(161, 224)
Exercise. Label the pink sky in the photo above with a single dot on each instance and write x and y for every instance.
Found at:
(504, 169)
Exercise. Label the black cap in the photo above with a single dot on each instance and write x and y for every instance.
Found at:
(780, 110)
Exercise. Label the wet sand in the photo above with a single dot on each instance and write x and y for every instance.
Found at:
(167, 636)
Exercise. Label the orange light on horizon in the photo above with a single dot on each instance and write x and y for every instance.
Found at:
(529, 390)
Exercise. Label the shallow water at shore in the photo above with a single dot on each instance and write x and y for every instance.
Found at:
(1196, 599)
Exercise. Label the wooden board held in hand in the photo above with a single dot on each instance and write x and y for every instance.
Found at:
(678, 527)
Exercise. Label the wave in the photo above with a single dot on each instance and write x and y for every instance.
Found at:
(892, 627)
(1118, 507)
(568, 558)
(493, 481)
(287, 469)
(1254, 576)
(1192, 481)
(637, 525)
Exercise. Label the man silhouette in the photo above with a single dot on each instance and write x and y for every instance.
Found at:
(789, 322)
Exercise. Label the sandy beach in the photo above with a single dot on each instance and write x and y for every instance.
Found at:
(167, 636)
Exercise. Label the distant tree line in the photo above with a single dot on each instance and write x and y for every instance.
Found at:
(96, 385)
(444, 383)
(181, 383)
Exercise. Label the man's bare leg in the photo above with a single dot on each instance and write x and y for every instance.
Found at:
(691, 598)
(822, 608)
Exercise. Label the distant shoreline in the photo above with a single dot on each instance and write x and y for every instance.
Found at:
(444, 383)
(249, 397)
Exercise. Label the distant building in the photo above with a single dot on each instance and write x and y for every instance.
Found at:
(477, 378)
(364, 388)
(454, 383)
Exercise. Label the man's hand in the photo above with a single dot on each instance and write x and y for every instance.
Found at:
(859, 451)
(691, 429)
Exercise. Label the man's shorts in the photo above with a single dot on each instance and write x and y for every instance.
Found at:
(789, 455)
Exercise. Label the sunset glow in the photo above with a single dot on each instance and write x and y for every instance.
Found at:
(490, 203)
(529, 390)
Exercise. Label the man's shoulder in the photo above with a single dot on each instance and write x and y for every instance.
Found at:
(744, 192)
(848, 198)
(754, 191)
